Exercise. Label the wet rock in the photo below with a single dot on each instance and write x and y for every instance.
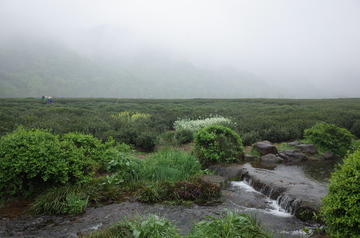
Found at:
(292, 156)
(219, 181)
(294, 143)
(309, 149)
(271, 158)
(329, 156)
(227, 171)
(266, 148)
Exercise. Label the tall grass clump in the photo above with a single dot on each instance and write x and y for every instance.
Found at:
(231, 226)
(169, 165)
(195, 125)
(65, 200)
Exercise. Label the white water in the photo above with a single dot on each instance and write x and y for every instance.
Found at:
(274, 207)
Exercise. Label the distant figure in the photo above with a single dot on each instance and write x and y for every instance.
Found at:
(50, 101)
(43, 98)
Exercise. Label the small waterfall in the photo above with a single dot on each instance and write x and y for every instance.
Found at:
(286, 202)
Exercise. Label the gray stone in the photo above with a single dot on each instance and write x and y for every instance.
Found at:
(309, 149)
(266, 148)
(294, 143)
(271, 158)
(329, 156)
(292, 156)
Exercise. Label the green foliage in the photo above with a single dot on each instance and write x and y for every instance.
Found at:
(168, 165)
(139, 227)
(65, 200)
(31, 160)
(152, 192)
(184, 136)
(232, 225)
(329, 137)
(218, 144)
(341, 208)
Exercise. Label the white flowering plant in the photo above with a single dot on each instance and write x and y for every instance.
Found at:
(195, 125)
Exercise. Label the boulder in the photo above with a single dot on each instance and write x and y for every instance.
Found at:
(309, 149)
(292, 156)
(266, 148)
(271, 158)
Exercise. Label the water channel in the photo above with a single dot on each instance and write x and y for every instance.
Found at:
(275, 210)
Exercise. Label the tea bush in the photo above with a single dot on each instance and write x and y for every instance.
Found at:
(329, 137)
(218, 144)
(31, 160)
(341, 208)
(184, 136)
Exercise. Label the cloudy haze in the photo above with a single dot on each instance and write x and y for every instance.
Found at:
(286, 42)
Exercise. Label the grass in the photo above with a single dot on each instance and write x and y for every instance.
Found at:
(232, 225)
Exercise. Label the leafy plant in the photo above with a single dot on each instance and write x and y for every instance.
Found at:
(75, 204)
(341, 208)
(329, 137)
(218, 144)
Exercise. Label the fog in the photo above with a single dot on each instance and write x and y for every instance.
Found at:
(302, 45)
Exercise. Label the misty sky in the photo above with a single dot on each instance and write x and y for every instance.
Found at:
(283, 41)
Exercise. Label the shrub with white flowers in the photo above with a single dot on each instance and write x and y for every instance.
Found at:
(195, 125)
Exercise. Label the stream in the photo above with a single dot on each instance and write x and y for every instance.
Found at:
(273, 201)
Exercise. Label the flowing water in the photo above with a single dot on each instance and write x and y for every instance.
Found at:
(273, 201)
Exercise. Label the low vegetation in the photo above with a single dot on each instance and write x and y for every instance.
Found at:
(230, 225)
(77, 153)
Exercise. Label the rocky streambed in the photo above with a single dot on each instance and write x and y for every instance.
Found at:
(256, 190)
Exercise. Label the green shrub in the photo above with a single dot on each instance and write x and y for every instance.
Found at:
(329, 137)
(184, 136)
(341, 208)
(94, 149)
(197, 124)
(31, 160)
(218, 144)
(146, 141)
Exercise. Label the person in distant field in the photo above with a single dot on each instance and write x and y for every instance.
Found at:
(50, 101)
(43, 98)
